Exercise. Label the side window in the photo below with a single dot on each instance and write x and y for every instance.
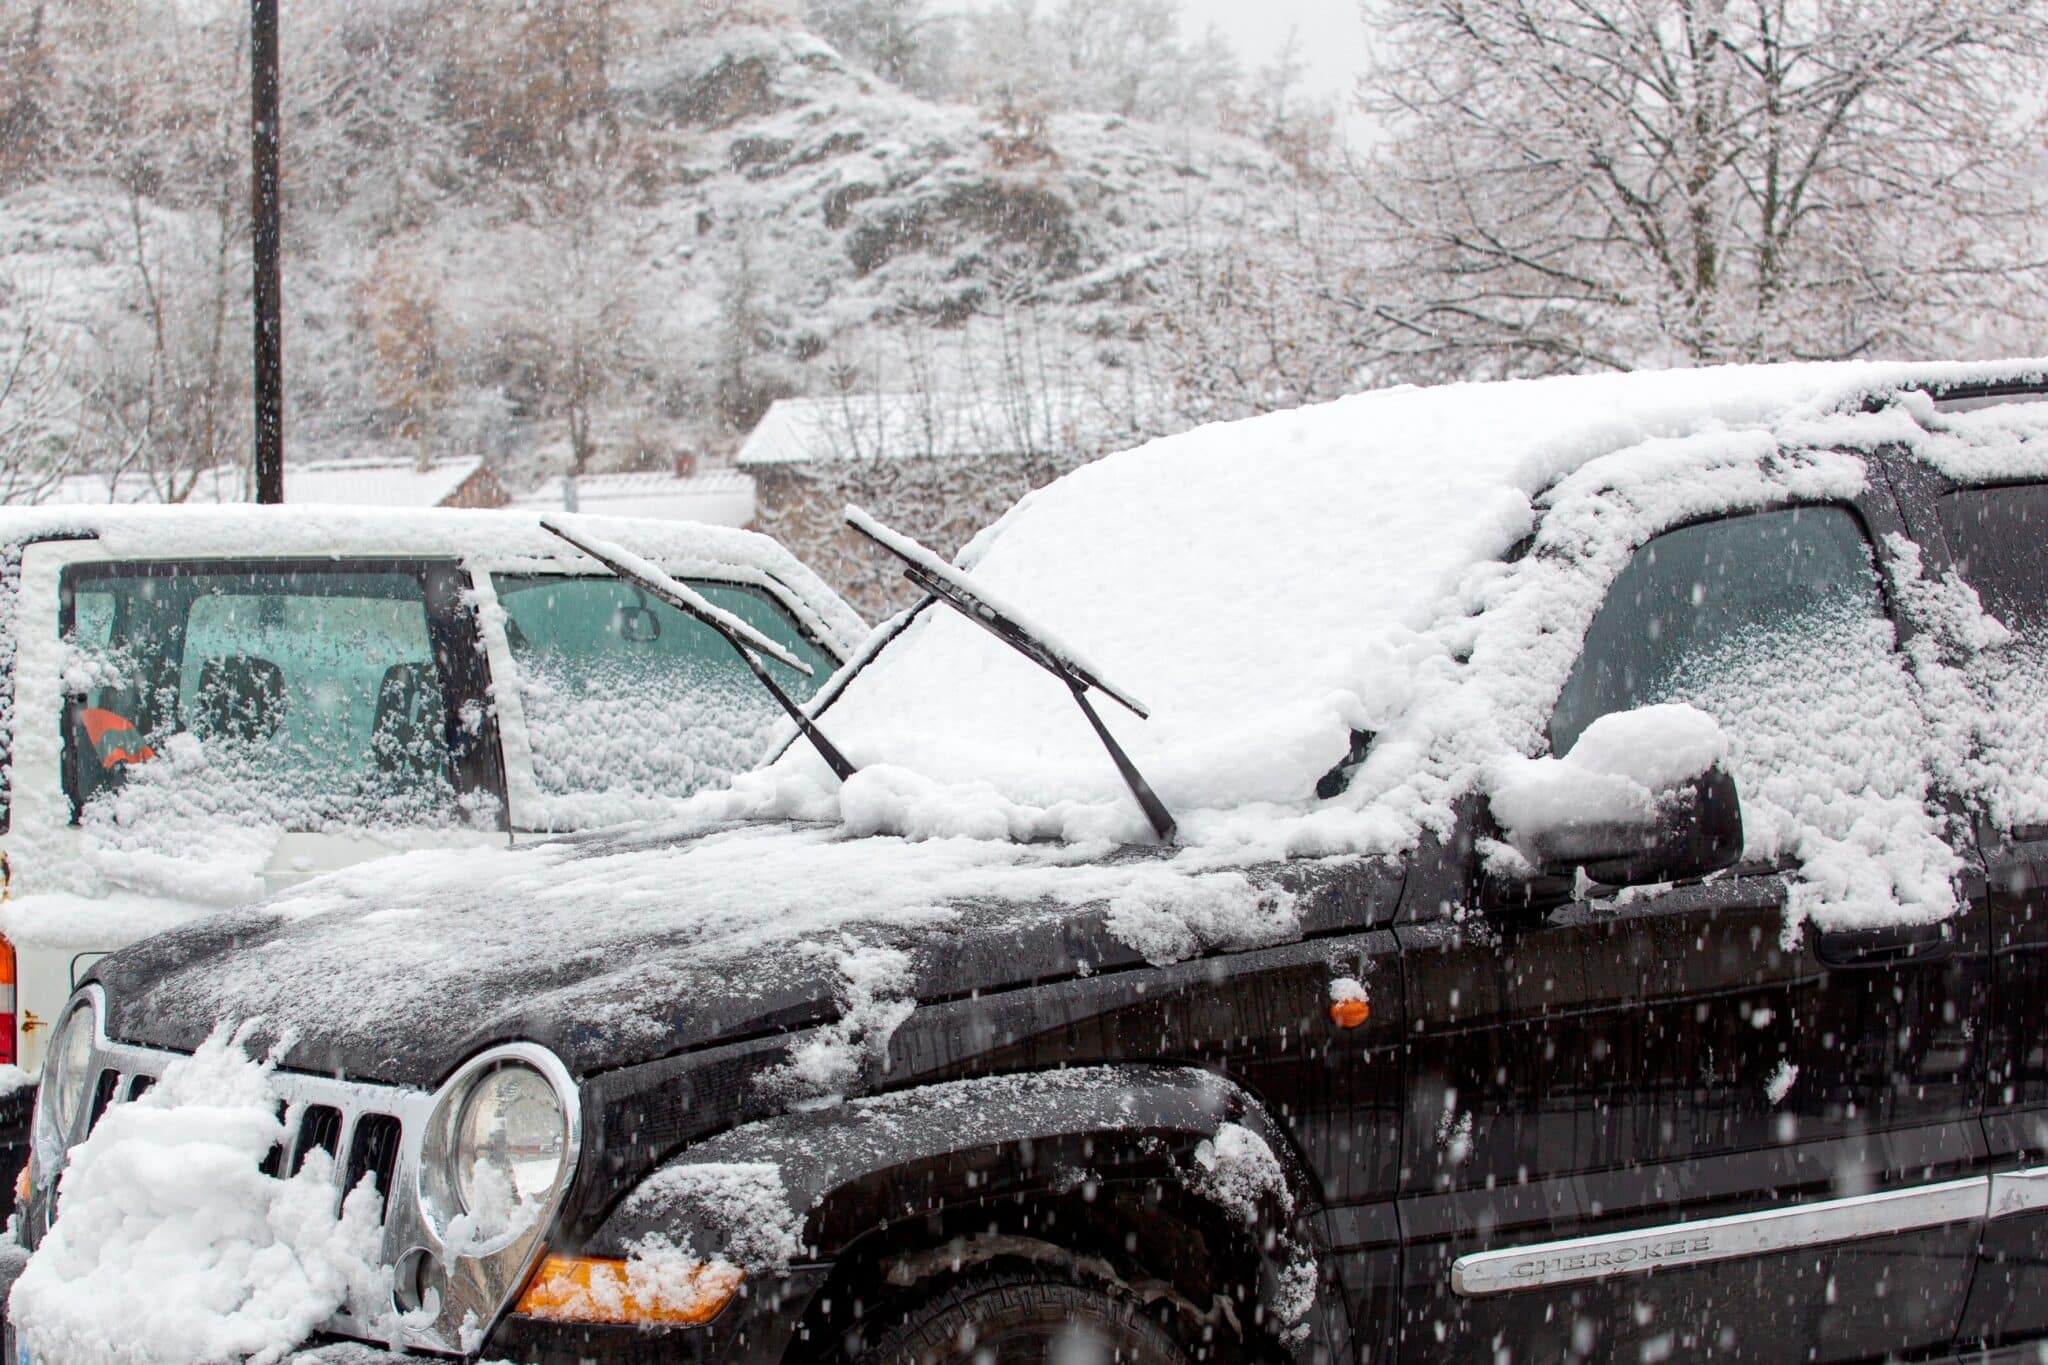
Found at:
(300, 698)
(1999, 537)
(629, 703)
(1773, 623)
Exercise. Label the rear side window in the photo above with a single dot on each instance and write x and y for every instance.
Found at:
(629, 703)
(1999, 537)
(1999, 540)
(262, 698)
(1774, 624)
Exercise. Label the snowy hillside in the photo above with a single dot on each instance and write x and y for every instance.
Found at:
(732, 213)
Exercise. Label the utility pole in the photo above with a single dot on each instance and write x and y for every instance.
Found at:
(269, 285)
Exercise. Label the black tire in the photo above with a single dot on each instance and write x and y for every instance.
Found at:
(1026, 1318)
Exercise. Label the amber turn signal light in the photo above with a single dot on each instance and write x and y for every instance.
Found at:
(1349, 1013)
(597, 1289)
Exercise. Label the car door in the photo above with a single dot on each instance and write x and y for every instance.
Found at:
(1649, 1123)
(1996, 540)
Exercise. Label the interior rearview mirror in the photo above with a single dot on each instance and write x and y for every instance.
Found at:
(638, 625)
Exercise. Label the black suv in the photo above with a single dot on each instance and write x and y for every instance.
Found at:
(1463, 1052)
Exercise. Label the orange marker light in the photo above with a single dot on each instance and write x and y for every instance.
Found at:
(1349, 1013)
(598, 1289)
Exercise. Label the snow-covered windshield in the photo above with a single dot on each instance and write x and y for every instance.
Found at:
(628, 703)
(299, 698)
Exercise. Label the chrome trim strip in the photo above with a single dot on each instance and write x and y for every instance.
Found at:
(1578, 1259)
(2022, 1191)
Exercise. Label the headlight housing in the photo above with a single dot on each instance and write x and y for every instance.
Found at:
(67, 1074)
(496, 1150)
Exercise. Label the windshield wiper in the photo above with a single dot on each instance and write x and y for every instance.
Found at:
(943, 583)
(749, 642)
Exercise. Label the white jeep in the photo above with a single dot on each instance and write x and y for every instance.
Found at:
(205, 704)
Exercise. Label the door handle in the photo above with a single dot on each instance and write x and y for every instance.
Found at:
(1888, 946)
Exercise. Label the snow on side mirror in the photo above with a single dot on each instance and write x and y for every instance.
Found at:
(1643, 796)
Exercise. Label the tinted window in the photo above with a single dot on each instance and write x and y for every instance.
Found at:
(298, 699)
(629, 703)
(1774, 625)
(1999, 538)
(1705, 612)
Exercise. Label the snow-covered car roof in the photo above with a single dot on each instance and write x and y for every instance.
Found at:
(504, 540)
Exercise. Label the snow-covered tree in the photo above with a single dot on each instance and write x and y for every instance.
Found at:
(888, 36)
(1585, 183)
(39, 431)
(1126, 57)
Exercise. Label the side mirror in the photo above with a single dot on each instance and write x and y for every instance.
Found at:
(1642, 797)
(637, 625)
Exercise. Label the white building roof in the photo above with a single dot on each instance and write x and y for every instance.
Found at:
(947, 426)
(316, 483)
(376, 483)
(718, 497)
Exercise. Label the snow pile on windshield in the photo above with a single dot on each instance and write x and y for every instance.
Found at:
(172, 1246)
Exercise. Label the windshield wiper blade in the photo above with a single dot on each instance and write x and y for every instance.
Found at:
(943, 583)
(749, 642)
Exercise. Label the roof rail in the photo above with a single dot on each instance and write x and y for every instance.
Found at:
(1968, 394)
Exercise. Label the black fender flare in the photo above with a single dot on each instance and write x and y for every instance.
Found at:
(802, 1186)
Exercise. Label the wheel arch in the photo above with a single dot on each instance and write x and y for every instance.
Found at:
(1173, 1181)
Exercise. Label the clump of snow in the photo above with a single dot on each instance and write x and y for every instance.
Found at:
(1168, 918)
(1237, 1170)
(743, 1206)
(1615, 774)
(830, 1061)
(1781, 1082)
(1347, 988)
(1454, 1135)
(171, 1245)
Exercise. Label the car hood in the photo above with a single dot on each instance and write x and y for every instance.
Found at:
(616, 950)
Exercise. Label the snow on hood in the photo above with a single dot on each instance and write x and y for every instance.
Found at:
(614, 949)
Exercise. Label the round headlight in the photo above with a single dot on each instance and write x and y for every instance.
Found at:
(510, 1140)
(65, 1075)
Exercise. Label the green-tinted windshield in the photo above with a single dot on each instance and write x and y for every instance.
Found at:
(629, 703)
(303, 698)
